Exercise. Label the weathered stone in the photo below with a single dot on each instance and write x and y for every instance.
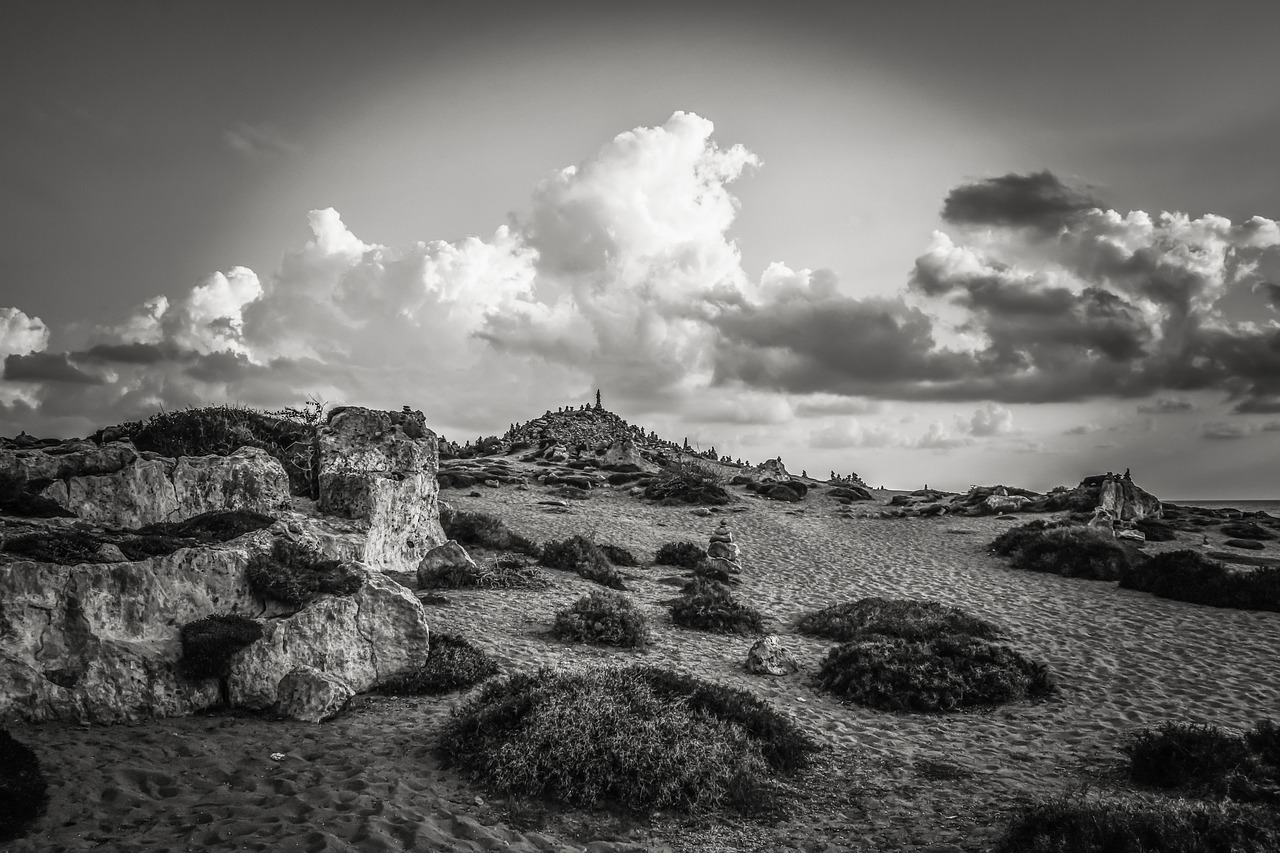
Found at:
(1132, 534)
(1126, 501)
(380, 467)
(772, 471)
(140, 493)
(311, 696)
(852, 493)
(249, 479)
(623, 455)
(66, 460)
(998, 503)
(1103, 520)
(376, 632)
(768, 656)
(450, 554)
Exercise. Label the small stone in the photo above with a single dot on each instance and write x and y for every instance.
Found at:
(277, 756)
(767, 656)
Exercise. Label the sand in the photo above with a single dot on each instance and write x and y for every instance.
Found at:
(369, 780)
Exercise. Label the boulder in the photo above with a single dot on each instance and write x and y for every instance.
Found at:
(450, 554)
(623, 455)
(380, 468)
(249, 479)
(311, 696)
(771, 471)
(1131, 534)
(852, 493)
(768, 656)
(997, 503)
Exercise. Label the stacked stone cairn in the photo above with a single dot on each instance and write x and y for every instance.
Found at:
(723, 555)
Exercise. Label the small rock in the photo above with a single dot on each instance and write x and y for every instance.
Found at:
(277, 756)
(768, 657)
(312, 696)
(450, 554)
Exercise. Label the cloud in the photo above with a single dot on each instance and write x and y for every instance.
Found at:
(45, 367)
(1226, 430)
(851, 433)
(819, 405)
(1271, 426)
(1167, 405)
(1268, 404)
(1083, 429)
(20, 334)
(1038, 200)
(991, 420)
(939, 437)
(259, 141)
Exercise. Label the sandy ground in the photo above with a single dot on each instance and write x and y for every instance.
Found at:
(368, 781)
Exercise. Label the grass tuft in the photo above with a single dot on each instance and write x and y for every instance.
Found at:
(453, 663)
(1073, 552)
(584, 558)
(603, 618)
(476, 529)
(685, 555)
(502, 573)
(906, 619)
(208, 644)
(294, 574)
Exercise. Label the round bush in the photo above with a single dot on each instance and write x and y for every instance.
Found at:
(712, 608)
(685, 555)
(294, 574)
(502, 573)
(619, 556)
(941, 674)
(688, 483)
(1187, 575)
(621, 736)
(583, 557)
(453, 663)
(208, 644)
(1206, 760)
(1073, 552)
(604, 618)
(910, 620)
(24, 793)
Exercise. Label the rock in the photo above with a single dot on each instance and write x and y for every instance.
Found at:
(1103, 520)
(771, 471)
(556, 453)
(140, 493)
(1245, 544)
(446, 555)
(378, 631)
(623, 455)
(249, 479)
(767, 656)
(380, 468)
(1131, 534)
(1120, 496)
(723, 554)
(998, 503)
(311, 696)
(852, 493)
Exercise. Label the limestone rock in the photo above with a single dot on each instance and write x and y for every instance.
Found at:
(1103, 520)
(450, 554)
(376, 632)
(556, 453)
(249, 479)
(311, 696)
(768, 656)
(1132, 534)
(623, 455)
(998, 503)
(380, 467)
(772, 471)
(852, 493)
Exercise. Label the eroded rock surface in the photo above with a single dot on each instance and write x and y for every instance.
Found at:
(311, 696)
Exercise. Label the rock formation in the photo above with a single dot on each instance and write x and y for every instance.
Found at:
(771, 471)
(767, 656)
(311, 696)
(723, 554)
(450, 554)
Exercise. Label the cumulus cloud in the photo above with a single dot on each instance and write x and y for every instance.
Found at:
(819, 405)
(852, 433)
(939, 437)
(20, 334)
(991, 420)
(1266, 404)
(1167, 405)
(1083, 429)
(1038, 200)
(1226, 430)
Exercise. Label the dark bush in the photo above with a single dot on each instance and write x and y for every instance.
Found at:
(208, 644)
(714, 609)
(782, 492)
(603, 618)
(1156, 530)
(619, 556)
(294, 574)
(503, 573)
(584, 558)
(1067, 826)
(909, 620)
(453, 663)
(166, 537)
(1247, 530)
(1073, 552)
(1206, 760)
(617, 736)
(1186, 575)
(688, 483)
(24, 793)
(19, 497)
(1245, 544)
(941, 674)
(61, 546)
(685, 555)
(1014, 539)
(484, 531)
(622, 478)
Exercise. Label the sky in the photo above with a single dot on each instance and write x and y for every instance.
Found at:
(927, 243)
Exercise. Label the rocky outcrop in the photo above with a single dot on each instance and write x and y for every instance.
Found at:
(1125, 500)
(623, 455)
(380, 468)
(771, 471)
(767, 656)
(448, 555)
(311, 696)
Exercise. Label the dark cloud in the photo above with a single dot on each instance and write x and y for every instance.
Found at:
(1037, 200)
(1167, 405)
(46, 367)
(1269, 405)
(1271, 291)
(1225, 431)
(133, 353)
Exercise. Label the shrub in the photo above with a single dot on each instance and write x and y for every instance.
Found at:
(208, 644)
(1186, 575)
(782, 492)
(604, 618)
(909, 620)
(1207, 760)
(619, 556)
(1245, 544)
(484, 531)
(713, 608)
(294, 574)
(940, 674)
(583, 557)
(1156, 530)
(614, 736)
(61, 546)
(1247, 530)
(1014, 539)
(689, 483)
(452, 664)
(24, 793)
(1073, 552)
(1077, 826)
(166, 537)
(503, 573)
(685, 555)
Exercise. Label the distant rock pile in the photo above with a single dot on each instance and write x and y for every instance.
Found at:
(723, 553)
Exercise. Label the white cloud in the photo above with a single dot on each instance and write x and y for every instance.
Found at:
(991, 420)
(20, 334)
(852, 433)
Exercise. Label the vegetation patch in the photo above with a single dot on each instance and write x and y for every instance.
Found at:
(688, 483)
(1073, 552)
(1206, 760)
(685, 555)
(1247, 530)
(906, 619)
(1137, 826)
(479, 530)
(584, 558)
(502, 573)
(624, 737)
(22, 497)
(61, 546)
(708, 605)
(208, 644)
(1244, 544)
(1186, 575)
(603, 618)
(619, 556)
(24, 793)
(940, 674)
(294, 574)
(1156, 530)
(453, 663)
(164, 538)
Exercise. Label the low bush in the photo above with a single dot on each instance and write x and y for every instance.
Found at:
(1186, 575)
(688, 483)
(685, 555)
(619, 556)
(1247, 530)
(453, 663)
(503, 573)
(62, 546)
(24, 793)
(1244, 544)
(909, 620)
(208, 644)
(1080, 826)
(603, 618)
(1156, 530)
(1073, 552)
(294, 574)
(477, 529)
(941, 674)
(624, 737)
(584, 558)
(713, 608)
(1206, 760)
(164, 538)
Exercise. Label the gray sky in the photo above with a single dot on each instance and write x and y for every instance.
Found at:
(921, 241)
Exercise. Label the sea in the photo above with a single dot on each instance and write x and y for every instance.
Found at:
(1272, 507)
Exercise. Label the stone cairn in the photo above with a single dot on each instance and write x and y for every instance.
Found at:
(722, 553)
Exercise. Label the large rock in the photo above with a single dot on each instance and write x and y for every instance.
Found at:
(995, 504)
(311, 696)
(363, 638)
(448, 555)
(623, 455)
(380, 468)
(771, 471)
(248, 479)
(1126, 501)
(767, 656)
